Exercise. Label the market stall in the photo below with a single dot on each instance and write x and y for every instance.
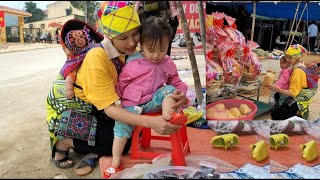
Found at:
(233, 70)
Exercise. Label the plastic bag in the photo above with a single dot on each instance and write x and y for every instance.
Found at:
(230, 20)
(138, 170)
(232, 34)
(222, 166)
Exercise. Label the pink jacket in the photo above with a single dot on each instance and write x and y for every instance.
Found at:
(140, 79)
(284, 78)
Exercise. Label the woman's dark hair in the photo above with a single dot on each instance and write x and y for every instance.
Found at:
(153, 30)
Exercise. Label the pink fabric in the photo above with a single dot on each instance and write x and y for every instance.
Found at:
(284, 77)
(140, 79)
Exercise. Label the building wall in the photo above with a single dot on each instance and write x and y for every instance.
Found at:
(47, 29)
(58, 9)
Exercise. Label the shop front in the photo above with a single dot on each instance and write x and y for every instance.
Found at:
(11, 24)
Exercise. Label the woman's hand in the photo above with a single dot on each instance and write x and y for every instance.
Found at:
(180, 97)
(161, 126)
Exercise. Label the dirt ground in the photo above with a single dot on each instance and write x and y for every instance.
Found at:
(25, 148)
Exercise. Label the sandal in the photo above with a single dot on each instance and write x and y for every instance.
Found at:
(259, 150)
(110, 170)
(193, 114)
(309, 150)
(64, 160)
(86, 165)
(178, 119)
(278, 141)
(225, 141)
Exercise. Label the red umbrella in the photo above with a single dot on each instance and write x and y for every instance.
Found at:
(55, 24)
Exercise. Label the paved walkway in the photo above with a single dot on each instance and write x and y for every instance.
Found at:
(15, 47)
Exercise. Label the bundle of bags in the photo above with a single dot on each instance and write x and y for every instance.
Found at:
(228, 48)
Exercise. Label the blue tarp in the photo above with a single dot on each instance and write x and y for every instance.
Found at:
(282, 10)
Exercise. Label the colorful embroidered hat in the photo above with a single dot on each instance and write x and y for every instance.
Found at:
(116, 17)
(88, 32)
(77, 38)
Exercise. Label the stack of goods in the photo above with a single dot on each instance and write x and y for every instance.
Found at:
(228, 48)
(214, 78)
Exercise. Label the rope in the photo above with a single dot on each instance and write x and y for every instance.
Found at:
(295, 15)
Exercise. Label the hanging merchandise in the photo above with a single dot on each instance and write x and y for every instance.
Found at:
(251, 65)
(227, 47)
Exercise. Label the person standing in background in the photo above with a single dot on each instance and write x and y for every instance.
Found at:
(312, 33)
(57, 36)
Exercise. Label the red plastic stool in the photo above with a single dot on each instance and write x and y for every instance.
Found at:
(179, 143)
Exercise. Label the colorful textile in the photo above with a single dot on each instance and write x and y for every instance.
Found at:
(75, 60)
(304, 99)
(77, 125)
(140, 79)
(77, 39)
(312, 77)
(116, 17)
(57, 102)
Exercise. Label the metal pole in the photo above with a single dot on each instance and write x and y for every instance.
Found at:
(253, 20)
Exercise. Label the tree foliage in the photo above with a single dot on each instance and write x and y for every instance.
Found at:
(37, 13)
(91, 5)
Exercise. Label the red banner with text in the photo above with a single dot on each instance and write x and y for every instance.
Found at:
(179, 46)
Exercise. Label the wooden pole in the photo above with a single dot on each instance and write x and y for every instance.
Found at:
(202, 26)
(294, 19)
(298, 24)
(253, 20)
(192, 57)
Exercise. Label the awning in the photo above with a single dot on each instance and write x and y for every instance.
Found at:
(280, 9)
(55, 24)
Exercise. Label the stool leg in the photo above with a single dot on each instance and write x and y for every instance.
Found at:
(177, 154)
(146, 138)
(134, 154)
(184, 139)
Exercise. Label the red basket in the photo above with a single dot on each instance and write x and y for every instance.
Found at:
(230, 103)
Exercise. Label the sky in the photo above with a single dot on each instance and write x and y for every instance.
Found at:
(20, 4)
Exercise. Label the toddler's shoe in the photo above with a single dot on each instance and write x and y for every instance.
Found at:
(193, 114)
(225, 141)
(260, 151)
(278, 141)
(309, 150)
